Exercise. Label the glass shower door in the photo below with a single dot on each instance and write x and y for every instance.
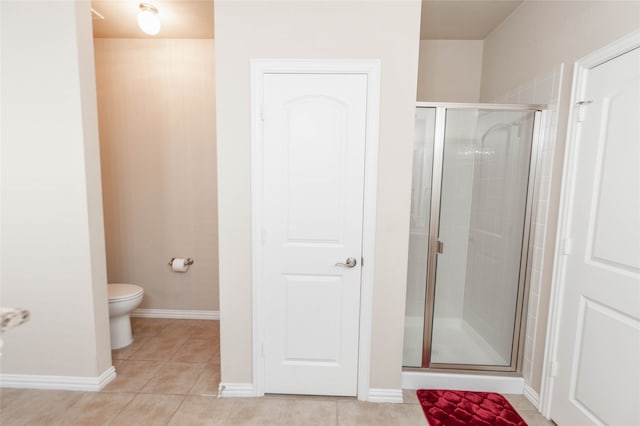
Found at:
(419, 236)
(478, 268)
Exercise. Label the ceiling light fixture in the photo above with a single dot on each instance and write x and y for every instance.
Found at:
(148, 19)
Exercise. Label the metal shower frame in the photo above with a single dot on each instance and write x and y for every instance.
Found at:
(527, 240)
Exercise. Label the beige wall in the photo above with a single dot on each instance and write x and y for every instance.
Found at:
(52, 249)
(156, 103)
(387, 30)
(449, 70)
(533, 41)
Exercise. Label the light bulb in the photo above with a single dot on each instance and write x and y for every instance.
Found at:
(148, 19)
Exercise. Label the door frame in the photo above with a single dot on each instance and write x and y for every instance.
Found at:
(370, 68)
(558, 283)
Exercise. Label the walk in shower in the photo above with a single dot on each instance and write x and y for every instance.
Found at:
(473, 185)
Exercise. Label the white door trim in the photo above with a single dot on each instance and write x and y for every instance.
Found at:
(581, 68)
(371, 68)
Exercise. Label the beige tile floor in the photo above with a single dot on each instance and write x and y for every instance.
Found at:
(170, 375)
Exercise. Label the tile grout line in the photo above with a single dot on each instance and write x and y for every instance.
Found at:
(66, 411)
(195, 381)
(118, 413)
(158, 370)
(176, 410)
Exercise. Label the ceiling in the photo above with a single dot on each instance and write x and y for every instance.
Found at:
(441, 19)
(178, 18)
(463, 19)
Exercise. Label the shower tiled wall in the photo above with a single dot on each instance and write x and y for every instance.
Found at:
(543, 89)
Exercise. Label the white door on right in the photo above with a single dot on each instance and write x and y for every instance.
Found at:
(598, 352)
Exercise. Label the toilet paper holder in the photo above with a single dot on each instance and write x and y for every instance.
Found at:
(187, 262)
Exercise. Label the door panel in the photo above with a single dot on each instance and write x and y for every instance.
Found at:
(615, 236)
(317, 297)
(485, 180)
(598, 349)
(601, 326)
(314, 147)
(313, 165)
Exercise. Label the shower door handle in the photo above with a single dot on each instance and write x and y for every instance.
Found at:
(350, 263)
(439, 247)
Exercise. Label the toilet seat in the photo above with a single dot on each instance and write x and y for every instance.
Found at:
(122, 292)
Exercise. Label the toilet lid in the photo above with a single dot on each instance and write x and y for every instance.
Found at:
(123, 291)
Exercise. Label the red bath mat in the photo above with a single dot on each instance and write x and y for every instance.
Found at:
(465, 408)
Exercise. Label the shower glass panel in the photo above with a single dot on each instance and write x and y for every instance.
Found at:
(483, 197)
(419, 236)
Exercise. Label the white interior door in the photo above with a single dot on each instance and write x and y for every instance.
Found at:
(598, 349)
(313, 168)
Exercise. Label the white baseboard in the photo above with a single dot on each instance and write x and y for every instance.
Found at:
(532, 396)
(471, 382)
(176, 314)
(393, 396)
(236, 390)
(33, 381)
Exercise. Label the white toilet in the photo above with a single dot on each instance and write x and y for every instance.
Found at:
(123, 299)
